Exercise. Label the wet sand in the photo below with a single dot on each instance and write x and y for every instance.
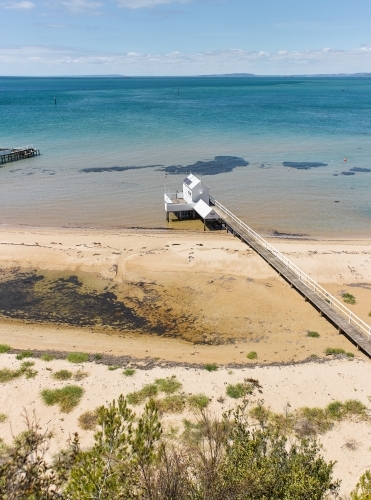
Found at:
(189, 296)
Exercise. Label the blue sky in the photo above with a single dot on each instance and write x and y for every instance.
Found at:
(184, 37)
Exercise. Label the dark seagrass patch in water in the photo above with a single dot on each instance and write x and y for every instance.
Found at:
(303, 165)
(360, 170)
(219, 165)
(92, 170)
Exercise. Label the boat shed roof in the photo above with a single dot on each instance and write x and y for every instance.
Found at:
(191, 181)
(204, 210)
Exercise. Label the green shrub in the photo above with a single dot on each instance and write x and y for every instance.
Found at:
(67, 398)
(3, 418)
(363, 489)
(174, 403)
(77, 357)
(198, 401)
(25, 354)
(88, 420)
(62, 375)
(369, 313)
(252, 355)
(4, 348)
(334, 350)
(348, 298)
(350, 355)
(113, 368)
(129, 372)
(211, 367)
(47, 357)
(97, 357)
(168, 385)
(313, 335)
(138, 397)
(236, 391)
(314, 356)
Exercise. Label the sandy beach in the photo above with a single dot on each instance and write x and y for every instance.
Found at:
(176, 300)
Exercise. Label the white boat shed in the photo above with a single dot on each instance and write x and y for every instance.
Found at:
(194, 199)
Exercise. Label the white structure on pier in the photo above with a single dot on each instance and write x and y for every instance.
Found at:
(195, 198)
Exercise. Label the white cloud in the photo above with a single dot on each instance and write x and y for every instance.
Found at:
(23, 5)
(64, 60)
(140, 4)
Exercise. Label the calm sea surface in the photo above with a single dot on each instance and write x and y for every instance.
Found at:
(156, 123)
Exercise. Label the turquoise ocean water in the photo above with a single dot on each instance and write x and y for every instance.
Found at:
(156, 123)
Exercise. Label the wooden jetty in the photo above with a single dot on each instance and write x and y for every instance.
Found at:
(8, 155)
(328, 306)
(195, 201)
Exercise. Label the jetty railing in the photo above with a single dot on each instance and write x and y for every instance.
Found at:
(303, 277)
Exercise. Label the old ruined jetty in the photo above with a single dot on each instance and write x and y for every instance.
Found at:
(195, 201)
(14, 154)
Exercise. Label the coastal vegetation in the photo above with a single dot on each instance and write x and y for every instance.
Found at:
(62, 375)
(7, 374)
(233, 457)
(211, 367)
(348, 298)
(252, 355)
(77, 357)
(336, 351)
(88, 420)
(24, 354)
(313, 335)
(4, 348)
(67, 397)
(47, 357)
(129, 372)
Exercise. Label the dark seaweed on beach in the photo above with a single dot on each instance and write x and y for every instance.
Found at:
(219, 165)
(359, 169)
(303, 165)
(28, 296)
(115, 169)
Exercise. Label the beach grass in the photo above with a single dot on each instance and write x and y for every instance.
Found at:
(168, 385)
(7, 374)
(4, 348)
(88, 420)
(173, 403)
(138, 397)
(252, 355)
(112, 368)
(67, 398)
(348, 298)
(211, 367)
(79, 375)
(198, 401)
(62, 375)
(98, 356)
(47, 357)
(236, 391)
(313, 335)
(24, 354)
(77, 357)
(129, 372)
(3, 418)
(336, 351)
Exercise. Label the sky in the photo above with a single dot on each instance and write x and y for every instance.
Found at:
(184, 37)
